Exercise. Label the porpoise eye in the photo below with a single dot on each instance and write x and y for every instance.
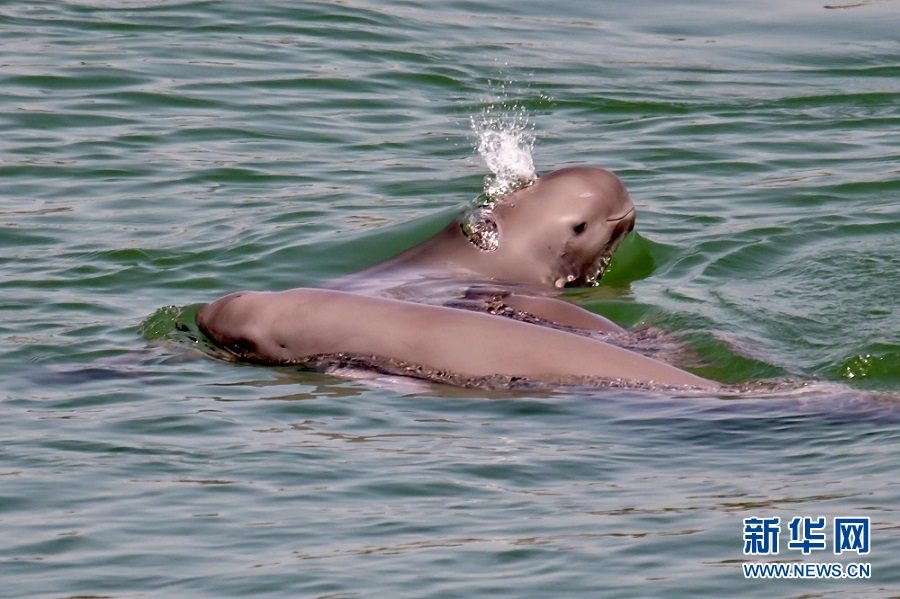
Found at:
(579, 228)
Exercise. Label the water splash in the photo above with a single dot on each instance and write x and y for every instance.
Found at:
(481, 229)
(505, 140)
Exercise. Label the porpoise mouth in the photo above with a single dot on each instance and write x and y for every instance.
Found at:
(589, 277)
(575, 276)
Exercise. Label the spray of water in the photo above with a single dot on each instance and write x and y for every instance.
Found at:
(505, 140)
(504, 137)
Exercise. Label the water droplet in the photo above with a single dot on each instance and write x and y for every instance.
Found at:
(505, 140)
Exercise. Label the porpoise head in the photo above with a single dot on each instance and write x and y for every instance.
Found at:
(560, 230)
